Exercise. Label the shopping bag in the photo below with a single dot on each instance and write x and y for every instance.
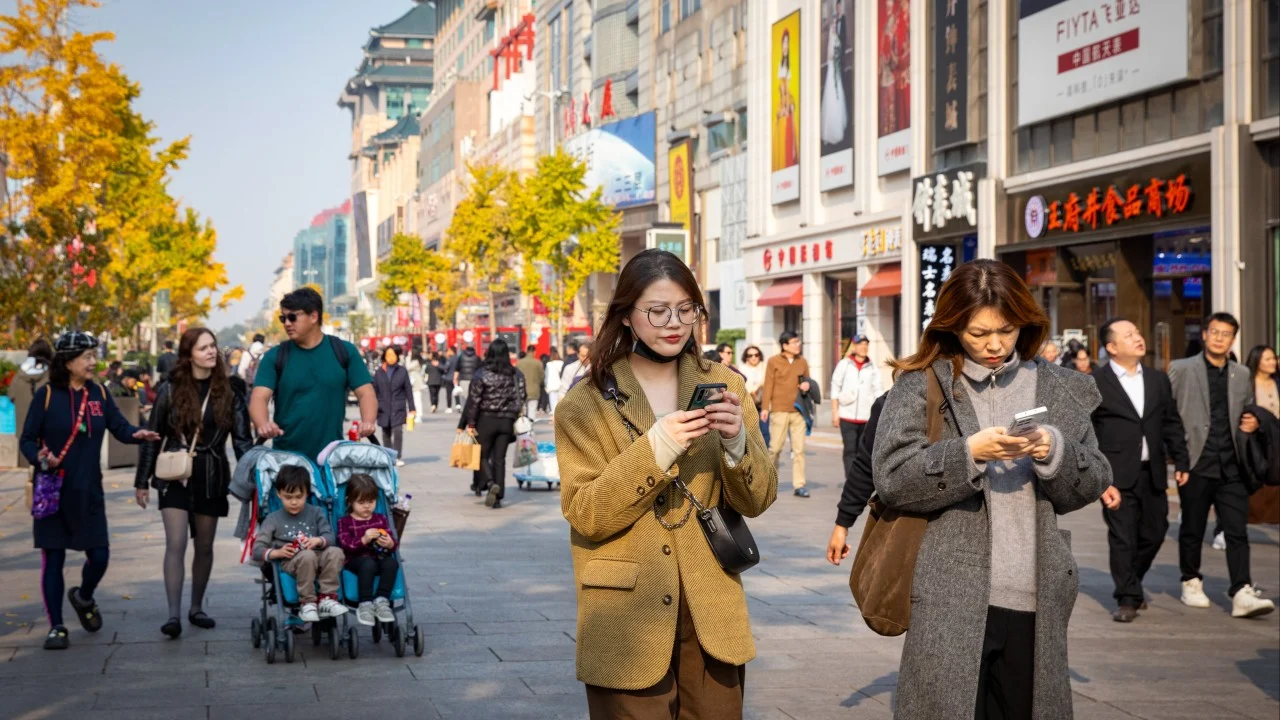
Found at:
(526, 451)
(465, 453)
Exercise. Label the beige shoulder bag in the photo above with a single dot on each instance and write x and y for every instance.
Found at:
(177, 465)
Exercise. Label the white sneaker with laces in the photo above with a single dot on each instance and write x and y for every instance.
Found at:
(332, 608)
(1220, 541)
(1247, 603)
(364, 614)
(1193, 594)
(308, 613)
(382, 609)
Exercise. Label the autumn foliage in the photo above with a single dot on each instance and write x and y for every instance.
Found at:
(88, 229)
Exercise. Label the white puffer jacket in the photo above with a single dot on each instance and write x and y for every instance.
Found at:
(855, 389)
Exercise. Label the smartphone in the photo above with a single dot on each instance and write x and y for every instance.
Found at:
(1026, 422)
(705, 394)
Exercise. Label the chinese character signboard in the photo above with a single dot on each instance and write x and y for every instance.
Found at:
(673, 240)
(1165, 192)
(1074, 54)
(837, 94)
(680, 183)
(882, 244)
(893, 86)
(946, 203)
(936, 264)
(785, 90)
(950, 73)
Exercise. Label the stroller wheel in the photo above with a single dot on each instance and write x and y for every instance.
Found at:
(353, 643)
(335, 644)
(419, 642)
(288, 647)
(255, 632)
(270, 638)
(377, 633)
(398, 639)
(316, 637)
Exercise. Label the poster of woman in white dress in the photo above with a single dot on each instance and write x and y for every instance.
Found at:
(836, 100)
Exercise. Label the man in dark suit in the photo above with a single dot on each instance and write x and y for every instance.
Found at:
(1138, 426)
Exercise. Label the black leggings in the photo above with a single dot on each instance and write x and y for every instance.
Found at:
(369, 568)
(434, 396)
(51, 585)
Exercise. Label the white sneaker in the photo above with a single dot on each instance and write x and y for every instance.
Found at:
(332, 608)
(1220, 541)
(382, 609)
(1193, 594)
(308, 613)
(364, 614)
(399, 463)
(1248, 603)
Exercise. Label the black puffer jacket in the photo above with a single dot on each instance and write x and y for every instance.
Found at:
(468, 361)
(495, 394)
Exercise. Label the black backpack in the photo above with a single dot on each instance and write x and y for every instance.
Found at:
(339, 351)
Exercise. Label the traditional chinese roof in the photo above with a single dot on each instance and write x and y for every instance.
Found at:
(420, 22)
(406, 128)
(415, 55)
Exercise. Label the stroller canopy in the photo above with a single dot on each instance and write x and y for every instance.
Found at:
(350, 458)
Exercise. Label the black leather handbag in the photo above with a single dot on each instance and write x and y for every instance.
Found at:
(726, 532)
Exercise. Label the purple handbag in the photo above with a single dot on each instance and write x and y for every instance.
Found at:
(46, 492)
(46, 486)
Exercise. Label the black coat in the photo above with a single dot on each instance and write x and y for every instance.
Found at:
(495, 394)
(211, 446)
(1120, 431)
(81, 520)
(466, 365)
(1262, 449)
(394, 389)
(859, 487)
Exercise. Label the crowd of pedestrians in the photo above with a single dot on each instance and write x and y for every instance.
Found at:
(665, 451)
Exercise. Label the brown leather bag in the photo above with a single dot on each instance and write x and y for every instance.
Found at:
(885, 563)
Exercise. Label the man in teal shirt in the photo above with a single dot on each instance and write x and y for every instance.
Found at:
(310, 390)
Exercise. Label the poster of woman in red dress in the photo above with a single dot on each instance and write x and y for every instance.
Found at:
(893, 78)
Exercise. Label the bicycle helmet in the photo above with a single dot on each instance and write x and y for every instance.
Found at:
(74, 343)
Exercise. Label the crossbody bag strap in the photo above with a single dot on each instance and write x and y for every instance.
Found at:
(196, 438)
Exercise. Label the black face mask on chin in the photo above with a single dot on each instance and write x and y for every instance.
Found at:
(640, 348)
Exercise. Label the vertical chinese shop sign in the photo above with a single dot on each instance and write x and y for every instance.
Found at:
(950, 73)
(936, 264)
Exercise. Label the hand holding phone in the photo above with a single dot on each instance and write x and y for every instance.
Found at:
(1026, 423)
(706, 394)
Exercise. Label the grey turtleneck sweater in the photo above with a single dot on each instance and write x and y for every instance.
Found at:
(996, 396)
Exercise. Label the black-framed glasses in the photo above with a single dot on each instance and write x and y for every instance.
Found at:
(660, 315)
(754, 355)
(288, 317)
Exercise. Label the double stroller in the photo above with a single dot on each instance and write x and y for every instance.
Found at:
(277, 620)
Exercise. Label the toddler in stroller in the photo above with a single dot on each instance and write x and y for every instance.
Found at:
(367, 540)
(300, 536)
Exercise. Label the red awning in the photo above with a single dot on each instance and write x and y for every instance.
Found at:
(783, 292)
(885, 283)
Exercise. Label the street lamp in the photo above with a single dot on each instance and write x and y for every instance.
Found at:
(552, 96)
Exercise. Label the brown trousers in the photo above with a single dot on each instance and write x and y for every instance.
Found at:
(696, 686)
(308, 566)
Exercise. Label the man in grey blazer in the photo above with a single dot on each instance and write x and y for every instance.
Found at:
(1211, 392)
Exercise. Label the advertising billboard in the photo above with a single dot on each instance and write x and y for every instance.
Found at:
(785, 149)
(1074, 54)
(893, 80)
(619, 158)
(680, 176)
(836, 100)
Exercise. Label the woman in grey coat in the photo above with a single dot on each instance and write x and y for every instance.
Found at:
(995, 581)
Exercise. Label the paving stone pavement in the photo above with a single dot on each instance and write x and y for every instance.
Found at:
(494, 592)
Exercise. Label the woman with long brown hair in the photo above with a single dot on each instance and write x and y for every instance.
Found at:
(196, 405)
(994, 580)
(633, 457)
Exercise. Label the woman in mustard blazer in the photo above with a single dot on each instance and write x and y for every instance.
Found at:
(662, 629)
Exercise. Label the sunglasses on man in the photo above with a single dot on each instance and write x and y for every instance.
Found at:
(286, 318)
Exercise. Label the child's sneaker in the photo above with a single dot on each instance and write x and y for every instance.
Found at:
(364, 614)
(330, 608)
(382, 609)
(308, 613)
(57, 639)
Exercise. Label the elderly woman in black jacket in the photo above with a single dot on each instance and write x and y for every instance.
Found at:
(197, 405)
(394, 390)
(496, 399)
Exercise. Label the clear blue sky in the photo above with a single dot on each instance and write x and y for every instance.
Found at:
(255, 83)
